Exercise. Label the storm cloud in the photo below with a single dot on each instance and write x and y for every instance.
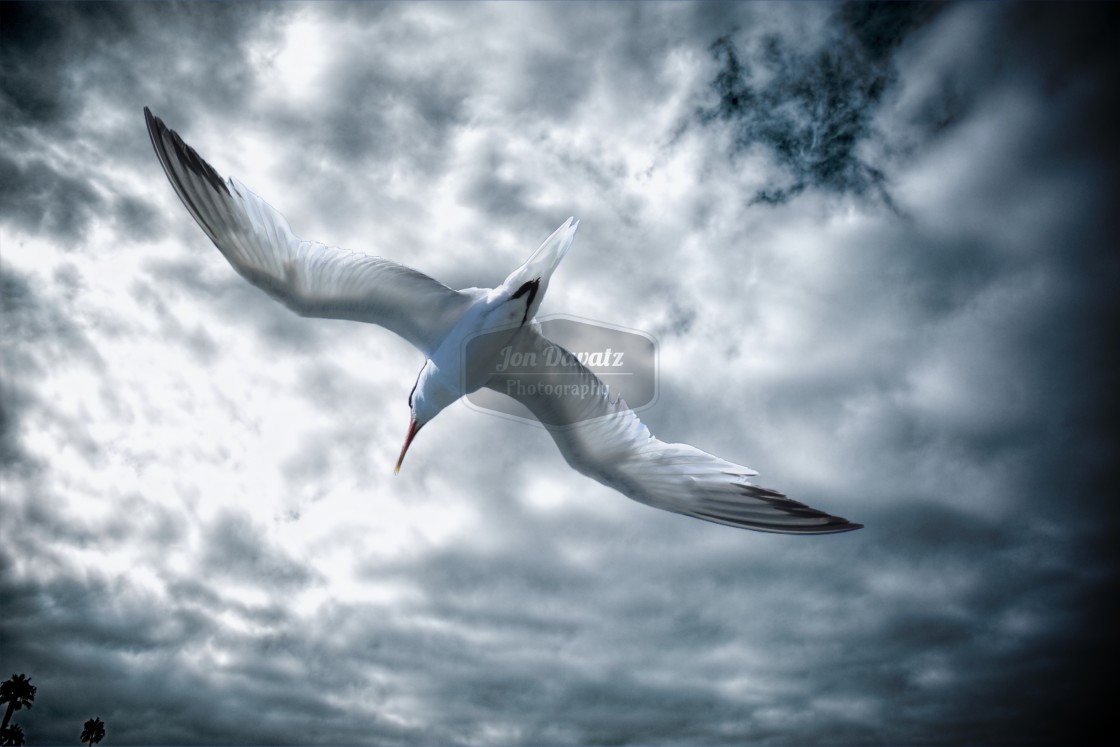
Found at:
(876, 244)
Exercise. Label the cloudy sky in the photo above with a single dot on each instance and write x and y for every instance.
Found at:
(876, 245)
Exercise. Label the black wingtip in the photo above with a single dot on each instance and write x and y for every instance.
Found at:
(185, 154)
(152, 121)
(838, 525)
(789, 516)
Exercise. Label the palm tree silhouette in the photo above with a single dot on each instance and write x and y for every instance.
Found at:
(13, 735)
(17, 692)
(94, 731)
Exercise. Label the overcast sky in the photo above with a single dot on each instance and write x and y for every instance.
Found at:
(877, 247)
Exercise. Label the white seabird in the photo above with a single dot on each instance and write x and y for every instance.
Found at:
(599, 437)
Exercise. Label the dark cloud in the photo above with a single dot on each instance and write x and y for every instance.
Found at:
(495, 187)
(812, 109)
(238, 551)
(1072, 60)
(879, 30)
(11, 453)
(136, 217)
(384, 117)
(37, 334)
(39, 199)
(224, 292)
(375, 106)
(71, 68)
(43, 199)
(61, 59)
(15, 297)
(944, 378)
(195, 338)
(34, 87)
(141, 648)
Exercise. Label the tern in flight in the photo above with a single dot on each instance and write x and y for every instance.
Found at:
(598, 436)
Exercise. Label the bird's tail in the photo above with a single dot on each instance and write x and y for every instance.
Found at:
(546, 258)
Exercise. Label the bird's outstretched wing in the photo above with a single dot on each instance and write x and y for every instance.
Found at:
(605, 440)
(311, 278)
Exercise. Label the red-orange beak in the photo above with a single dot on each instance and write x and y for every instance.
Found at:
(413, 429)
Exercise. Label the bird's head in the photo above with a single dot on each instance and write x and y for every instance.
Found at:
(430, 395)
